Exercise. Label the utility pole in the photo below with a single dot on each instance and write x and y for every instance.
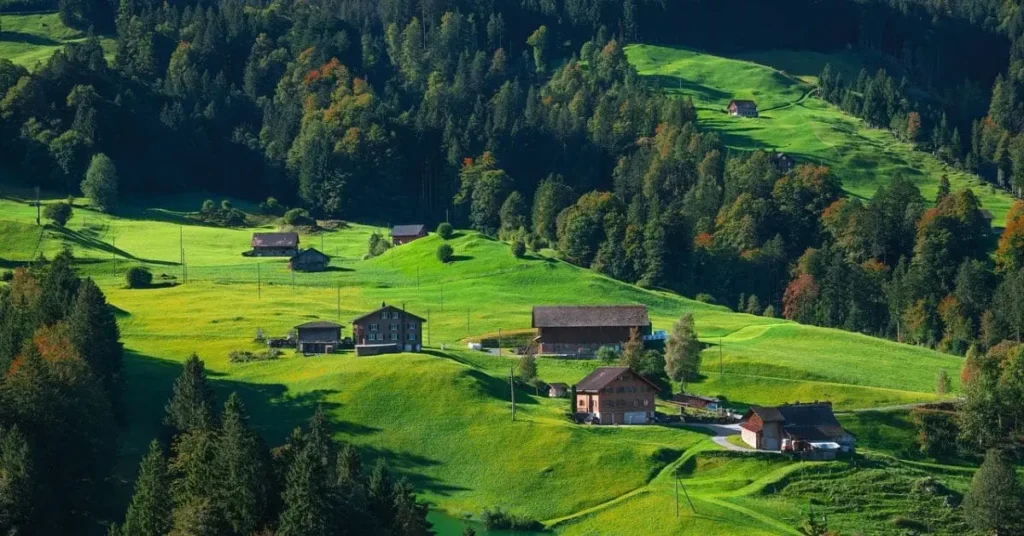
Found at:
(499, 342)
(721, 372)
(512, 388)
(676, 478)
(428, 327)
(467, 322)
(259, 292)
(339, 301)
(38, 209)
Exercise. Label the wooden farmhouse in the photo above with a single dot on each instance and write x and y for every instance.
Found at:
(318, 337)
(615, 395)
(309, 260)
(686, 400)
(810, 428)
(403, 234)
(582, 330)
(388, 330)
(742, 108)
(275, 244)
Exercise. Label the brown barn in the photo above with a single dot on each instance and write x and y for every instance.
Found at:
(742, 108)
(403, 234)
(275, 244)
(582, 330)
(696, 401)
(615, 395)
(814, 424)
(318, 337)
(309, 260)
(388, 330)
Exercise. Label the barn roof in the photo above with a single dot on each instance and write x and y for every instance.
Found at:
(318, 324)
(407, 230)
(743, 103)
(275, 240)
(808, 422)
(576, 316)
(602, 376)
(384, 306)
(311, 252)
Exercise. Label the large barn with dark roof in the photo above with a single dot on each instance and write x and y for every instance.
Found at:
(583, 329)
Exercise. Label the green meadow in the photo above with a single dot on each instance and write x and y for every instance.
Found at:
(28, 40)
(792, 120)
(443, 417)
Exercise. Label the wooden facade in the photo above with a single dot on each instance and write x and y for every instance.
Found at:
(318, 337)
(403, 234)
(310, 260)
(615, 395)
(582, 330)
(388, 329)
(274, 244)
(742, 108)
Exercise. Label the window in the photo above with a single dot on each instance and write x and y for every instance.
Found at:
(636, 402)
(394, 315)
(622, 403)
(647, 403)
(394, 327)
(620, 389)
(383, 315)
(581, 402)
(412, 325)
(412, 336)
(394, 336)
(373, 327)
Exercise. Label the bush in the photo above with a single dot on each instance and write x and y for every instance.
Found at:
(58, 213)
(518, 249)
(298, 216)
(607, 354)
(138, 277)
(499, 519)
(208, 207)
(445, 230)
(445, 253)
(6, 276)
(245, 356)
(270, 206)
(704, 297)
(378, 244)
(769, 311)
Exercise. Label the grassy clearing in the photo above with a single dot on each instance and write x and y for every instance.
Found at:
(28, 40)
(443, 416)
(795, 122)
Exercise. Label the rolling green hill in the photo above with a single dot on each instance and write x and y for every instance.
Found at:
(443, 416)
(794, 121)
(28, 40)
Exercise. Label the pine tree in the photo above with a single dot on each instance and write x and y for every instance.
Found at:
(410, 515)
(993, 504)
(191, 404)
(944, 189)
(307, 505)
(241, 469)
(95, 335)
(59, 287)
(149, 513)
(381, 494)
(17, 486)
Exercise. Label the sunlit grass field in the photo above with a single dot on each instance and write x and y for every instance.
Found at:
(443, 417)
(28, 40)
(794, 121)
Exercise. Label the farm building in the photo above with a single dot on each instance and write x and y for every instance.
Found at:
(615, 395)
(783, 162)
(309, 260)
(582, 330)
(403, 234)
(275, 244)
(742, 108)
(388, 330)
(557, 390)
(686, 400)
(318, 337)
(795, 427)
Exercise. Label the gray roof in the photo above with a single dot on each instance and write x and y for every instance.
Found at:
(810, 422)
(407, 230)
(564, 316)
(767, 413)
(310, 252)
(384, 306)
(275, 240)
(602, 376)
(318, 324)
(743, 103)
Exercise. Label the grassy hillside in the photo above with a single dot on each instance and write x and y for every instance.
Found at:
(793, 121)
(443, 416)
(30, 39)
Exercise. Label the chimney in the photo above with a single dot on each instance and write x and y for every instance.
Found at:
(383, 304)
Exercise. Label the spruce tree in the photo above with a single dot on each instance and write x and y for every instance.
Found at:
(241, 468)
(993, 504)
(307, 505)
(149, 513)
(191, 404)
(95, 335)
(17, 485)
(59, 287)
(410, 515)
(381, 494)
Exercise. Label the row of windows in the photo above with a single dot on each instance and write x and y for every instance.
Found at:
(613, 403)
(394, 337)
(628, 389)
(394, 315)
(394, 327)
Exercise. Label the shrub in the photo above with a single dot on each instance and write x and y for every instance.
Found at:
(518, 249)
(704, 297)
(445, 230)
(6, 276)
(138, 277)
(378, 244)
(499, 519)
(225, 205)
(270, 206)
(937, 431)
(607, 354)
(445, 253)
(769, 311)
(245, 356)
(234, 218)
(208, 207)
(297, 216)
(58, 213)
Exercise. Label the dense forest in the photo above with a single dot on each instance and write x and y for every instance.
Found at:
(524, 120)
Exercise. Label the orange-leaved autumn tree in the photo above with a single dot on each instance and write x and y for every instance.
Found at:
(1010, 253)
(800, 298)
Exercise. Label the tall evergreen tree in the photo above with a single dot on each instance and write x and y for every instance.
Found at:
(241, 468)
(17, 485)
(96, 337)
(149, 513)
(191, 404)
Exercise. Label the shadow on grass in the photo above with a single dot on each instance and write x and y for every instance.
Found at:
(28, 39)
(459, 258)
(337, 269)
(86, 241)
